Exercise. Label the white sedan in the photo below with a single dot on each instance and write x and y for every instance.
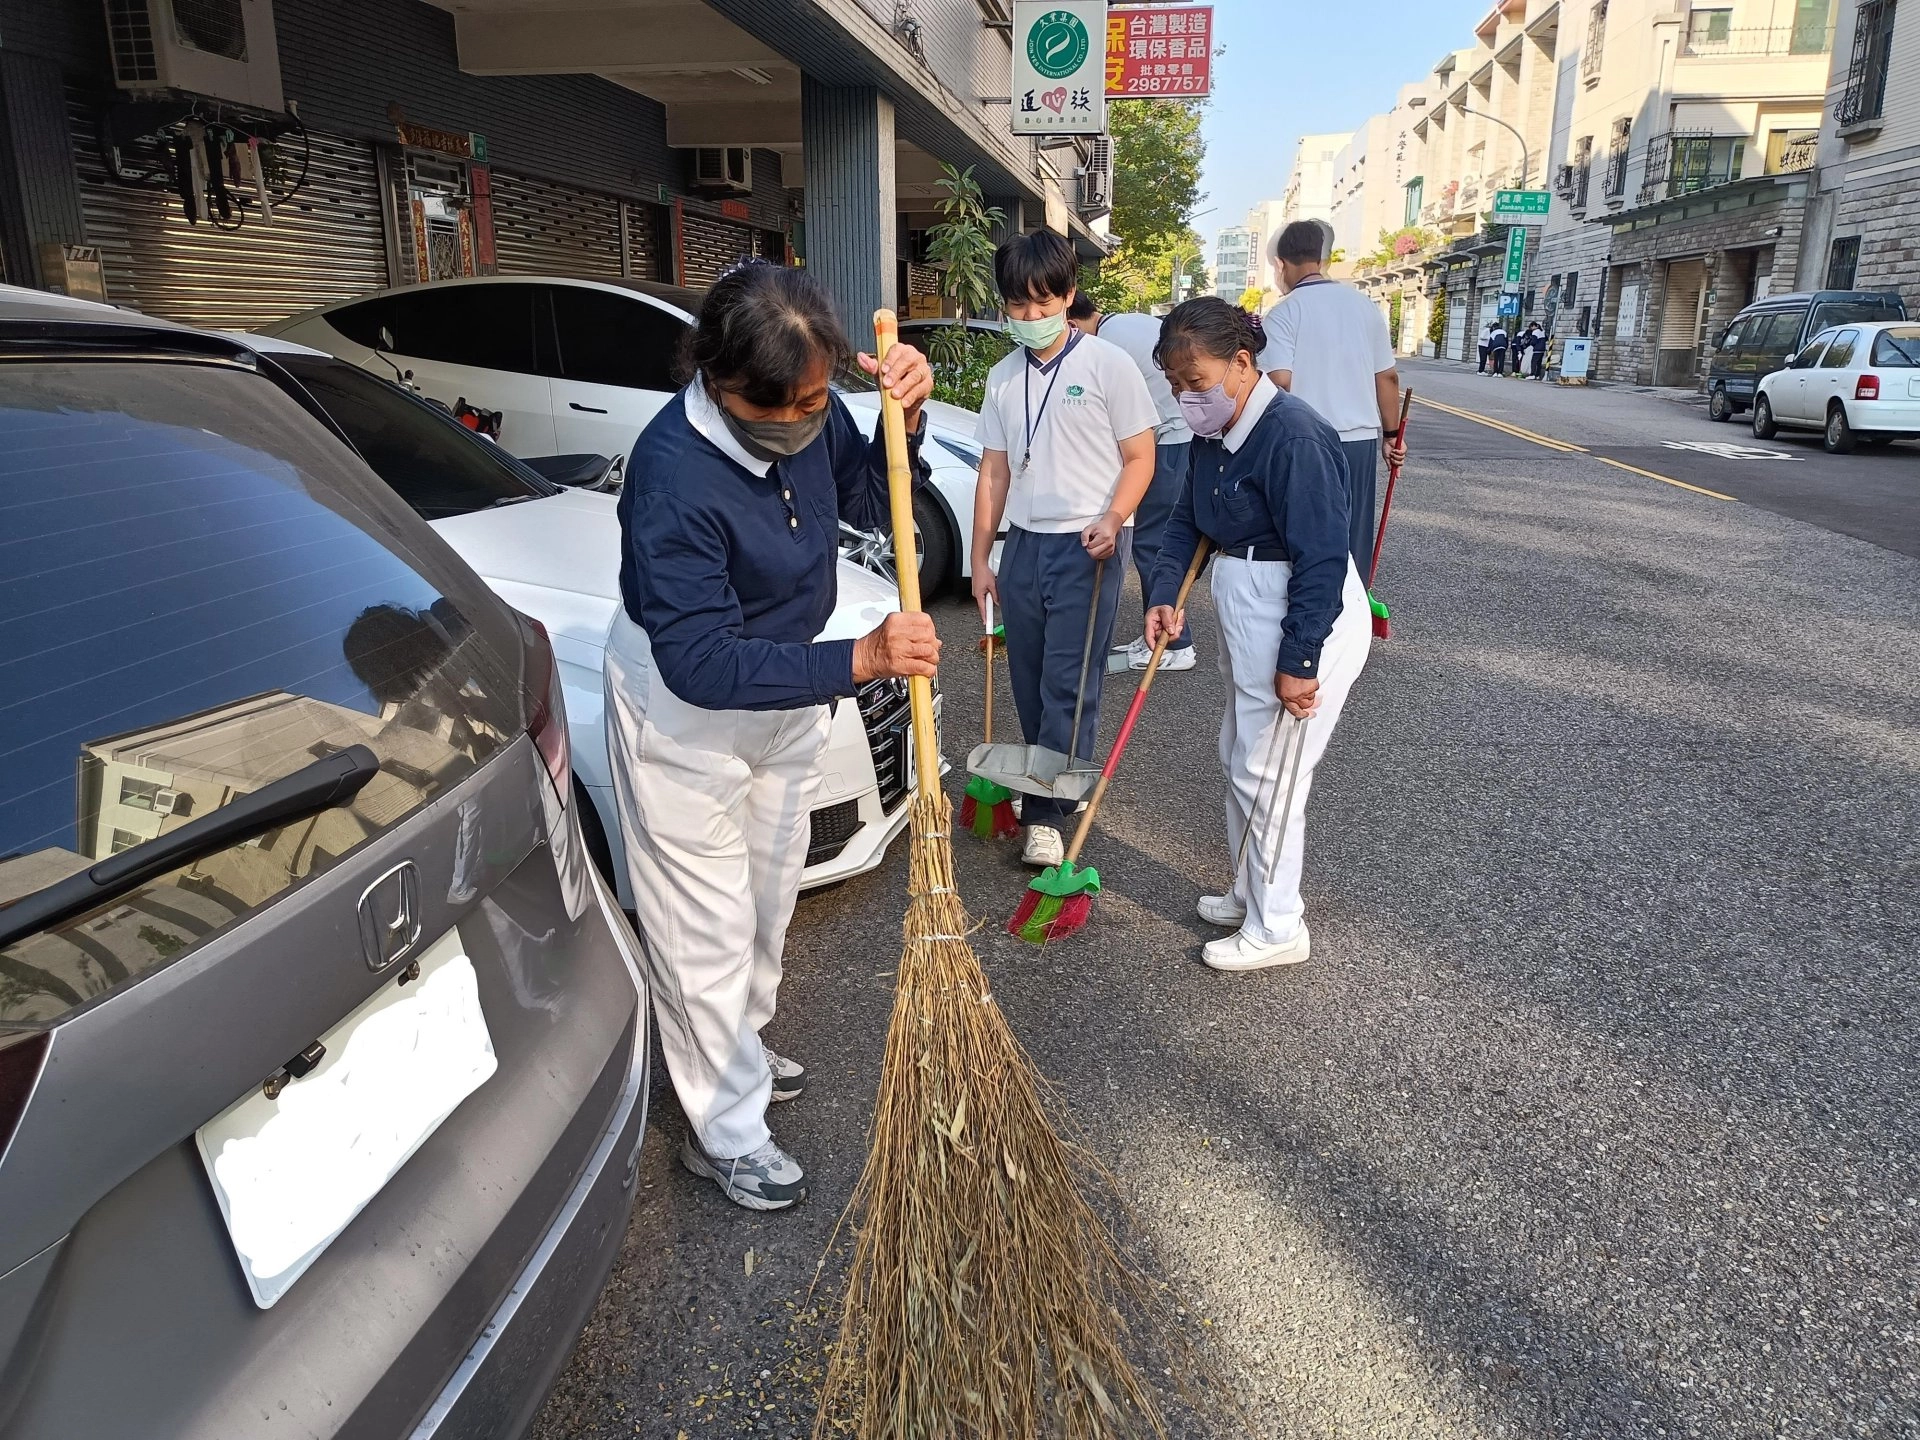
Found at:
(581, 366)
(1851, 383)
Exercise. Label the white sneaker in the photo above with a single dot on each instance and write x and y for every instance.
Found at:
(1044, 846)
(1222, 910)
(1131, 645)
(1182, 659)
(767, 1179)
(789, 1076)
(1237, 952)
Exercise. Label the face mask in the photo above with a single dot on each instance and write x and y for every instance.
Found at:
(772, 440)
(1038, 334)
(1208, 413)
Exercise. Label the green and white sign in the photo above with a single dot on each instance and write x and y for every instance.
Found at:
(1059, 67)
(1516, 254)
(1521, 207)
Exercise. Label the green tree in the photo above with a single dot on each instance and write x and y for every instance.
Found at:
(961, 245)
(1250, 299)
(1437, 322)
(1157, 151)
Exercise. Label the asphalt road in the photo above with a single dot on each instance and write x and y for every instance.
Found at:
(1593, 1114)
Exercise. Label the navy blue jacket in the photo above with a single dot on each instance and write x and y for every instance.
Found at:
(732, 574)
(1286, 488)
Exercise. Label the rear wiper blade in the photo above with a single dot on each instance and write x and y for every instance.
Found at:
(331, 781)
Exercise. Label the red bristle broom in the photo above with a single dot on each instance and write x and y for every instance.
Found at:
(1059, 902)
(1382, 629)
(986, 808)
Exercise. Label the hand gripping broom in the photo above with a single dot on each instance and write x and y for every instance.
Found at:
(1059, 902)
(1382, 629)
(986, 808)
(985, 1296)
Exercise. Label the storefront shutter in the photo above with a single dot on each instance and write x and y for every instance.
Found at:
(1680, 315)
(542, 228)
(326, 241)
(712, 246)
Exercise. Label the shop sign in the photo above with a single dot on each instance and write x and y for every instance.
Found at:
(465, 145)
(735, 210)
(1058, 86)
(1160, 52)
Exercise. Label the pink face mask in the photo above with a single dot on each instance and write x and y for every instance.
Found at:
(1208, 413)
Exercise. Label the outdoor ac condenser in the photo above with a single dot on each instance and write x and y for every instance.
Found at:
(726, 169)
(220, 49)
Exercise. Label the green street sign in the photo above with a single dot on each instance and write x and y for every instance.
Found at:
(1521, 207)
(1516, 254)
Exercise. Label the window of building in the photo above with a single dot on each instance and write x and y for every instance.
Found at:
(1582, 172)
(1709, 29)
(1700, 162)
(1791, 150)
(1812, 27)
(139, 793)
(1596, 39)
(122, 840)
(1416, 193)
(1617, 146)
(1843, 262)
(1866, 90)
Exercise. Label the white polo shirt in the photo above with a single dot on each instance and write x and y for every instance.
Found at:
(1334, 340)
(1137, 335)
(1070, 439)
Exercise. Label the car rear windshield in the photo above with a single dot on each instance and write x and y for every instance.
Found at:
(1848, 312)
(1897, 348)
(206, 591)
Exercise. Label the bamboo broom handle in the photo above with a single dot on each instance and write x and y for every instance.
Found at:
(1200, 553)
(906, 555)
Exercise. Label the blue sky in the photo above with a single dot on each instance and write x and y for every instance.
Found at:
(1294, 68)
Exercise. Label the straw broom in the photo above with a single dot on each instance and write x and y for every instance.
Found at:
(985, 1296)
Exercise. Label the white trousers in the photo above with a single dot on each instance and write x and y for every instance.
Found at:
(1250, 597)
(713, 808)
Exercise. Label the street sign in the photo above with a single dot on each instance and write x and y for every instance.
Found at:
(1160, 52)
(1059, 67)
(1509, 307)
(1516, 254)
(1520, 207)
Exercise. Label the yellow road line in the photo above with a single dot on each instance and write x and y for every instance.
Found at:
(1663, 479)
(1566, 447)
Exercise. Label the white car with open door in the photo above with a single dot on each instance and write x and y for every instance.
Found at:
(1850, 383)
(581, 366)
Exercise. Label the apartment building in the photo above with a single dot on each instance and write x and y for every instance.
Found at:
(1235, 263)
(1309, 192)
(1863, 224)
(1265, 221)
(1371, 173)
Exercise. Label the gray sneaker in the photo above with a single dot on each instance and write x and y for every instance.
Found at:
(766, 1179)
(789, 1076)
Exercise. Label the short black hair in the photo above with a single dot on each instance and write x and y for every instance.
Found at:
(1082, 307)
(1036, 266)
(1209, 326)
(1301, 242)
(762, 332)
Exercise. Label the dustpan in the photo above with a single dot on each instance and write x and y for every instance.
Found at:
(1034, 770)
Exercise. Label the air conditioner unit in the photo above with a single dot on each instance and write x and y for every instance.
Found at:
(221, 49)
(164, 801)
(728, 170)
(1563, 181)
(1096, 178)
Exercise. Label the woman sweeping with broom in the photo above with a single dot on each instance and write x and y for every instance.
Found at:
(718, 696)
(1267, 487)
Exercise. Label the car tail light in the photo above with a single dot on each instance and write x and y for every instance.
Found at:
(547, 723)
(1867, 388)
(20, 1058)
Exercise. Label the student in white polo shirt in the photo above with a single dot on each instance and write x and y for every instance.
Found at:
(1327, 344)
(1067, 429)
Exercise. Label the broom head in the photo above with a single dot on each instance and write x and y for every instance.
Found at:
(1057, 904)
(1382, 630)
(986, 809)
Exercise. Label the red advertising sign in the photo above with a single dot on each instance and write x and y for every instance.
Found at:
(1160, 52)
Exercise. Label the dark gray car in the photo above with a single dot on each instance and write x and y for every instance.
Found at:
(322, 1047)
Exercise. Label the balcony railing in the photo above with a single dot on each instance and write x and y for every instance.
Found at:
(1596, 41)
(1614, 183)
(1706, 42)
(1682, 162)
(1866, 92)
(1577, 198)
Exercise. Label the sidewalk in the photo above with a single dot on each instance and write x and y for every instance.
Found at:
(1583, 414)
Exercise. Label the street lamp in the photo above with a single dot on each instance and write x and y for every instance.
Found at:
(1526, 156)
(1180, 259)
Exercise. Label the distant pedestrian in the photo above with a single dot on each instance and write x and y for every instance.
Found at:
(1534, 345)
(1497, 347)
(1137, 335)
(1327, 344)
(1486, 349)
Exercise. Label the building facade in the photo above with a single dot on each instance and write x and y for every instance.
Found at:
(1309, 192)
(1236, 263)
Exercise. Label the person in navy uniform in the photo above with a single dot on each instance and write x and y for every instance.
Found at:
(719, 696)
(1267, 485)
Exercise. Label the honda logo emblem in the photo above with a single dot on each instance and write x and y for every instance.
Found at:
(390, 916)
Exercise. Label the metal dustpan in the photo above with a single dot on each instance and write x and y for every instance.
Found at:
(1034, 770)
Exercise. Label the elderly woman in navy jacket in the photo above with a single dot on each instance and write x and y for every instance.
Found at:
(1266, 485)
(719, 696)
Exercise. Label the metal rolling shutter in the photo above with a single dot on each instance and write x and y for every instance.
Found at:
(711, 246)
(1680, 314)
(326, 242)
(540, 228)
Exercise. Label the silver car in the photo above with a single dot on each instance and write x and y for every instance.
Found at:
(323, 1051)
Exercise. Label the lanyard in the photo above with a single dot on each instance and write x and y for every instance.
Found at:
(1026, 388)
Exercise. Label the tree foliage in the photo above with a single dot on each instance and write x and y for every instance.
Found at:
(1250, 299)
(1157, 150)
(961, 245)
(1437, 322)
